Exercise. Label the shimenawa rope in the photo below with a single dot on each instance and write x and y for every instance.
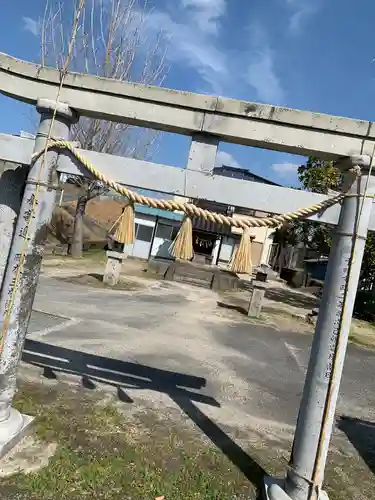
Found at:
(189, 209)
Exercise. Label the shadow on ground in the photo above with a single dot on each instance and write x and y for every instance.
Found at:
(95, 280)
(292, 298)
(232, 307)
(97, 276)
(182, 388)
(361, 433)
(240, 301)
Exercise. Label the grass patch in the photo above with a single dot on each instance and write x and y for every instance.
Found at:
(95, 256)
(103, 454)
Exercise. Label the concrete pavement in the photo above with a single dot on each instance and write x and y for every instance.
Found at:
(254, 373)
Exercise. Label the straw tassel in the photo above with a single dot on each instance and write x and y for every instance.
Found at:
(182, 246)
(241, 260)
(125, 229)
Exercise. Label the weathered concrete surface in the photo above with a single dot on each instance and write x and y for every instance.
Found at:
(188, 183)
(202, 153)
(23, 264)
(13, 430)
(257, 299)
(29, 455)
(248, 123)
(12, 180)
(255, 373)
(14, 149)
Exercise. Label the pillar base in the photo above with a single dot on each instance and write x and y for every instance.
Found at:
(273, 490)
(269, 485)
(13, 430)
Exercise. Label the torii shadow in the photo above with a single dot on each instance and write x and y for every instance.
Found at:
(182, 389)
(361, 433)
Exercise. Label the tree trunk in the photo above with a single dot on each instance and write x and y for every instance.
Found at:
(77, 239)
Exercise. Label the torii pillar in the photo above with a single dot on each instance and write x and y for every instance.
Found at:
(315, 422)
(23, 264)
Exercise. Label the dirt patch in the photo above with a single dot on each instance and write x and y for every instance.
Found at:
(89, 271)
(287, 310)
(362, 333)
(104, 211)
(61, 226)
(89, 258)
(28, 456)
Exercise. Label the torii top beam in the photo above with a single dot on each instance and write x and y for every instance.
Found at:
(247, 123)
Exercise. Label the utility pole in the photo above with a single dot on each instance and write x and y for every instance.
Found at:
(21, 276)
(317, 410)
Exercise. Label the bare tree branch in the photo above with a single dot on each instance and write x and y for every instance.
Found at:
(111, 39)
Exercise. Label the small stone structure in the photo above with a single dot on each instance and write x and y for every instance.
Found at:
(256, 299)
(197, 274)
(258, 292)
(113, 267)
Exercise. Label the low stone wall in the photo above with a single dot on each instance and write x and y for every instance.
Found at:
(197, 274)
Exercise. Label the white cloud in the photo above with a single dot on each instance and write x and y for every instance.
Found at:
(262, 76)
(261, 71)
(207, 13)
(31, 25)
(300, 11)
(224, 158)
(193, 30)
(285, 169)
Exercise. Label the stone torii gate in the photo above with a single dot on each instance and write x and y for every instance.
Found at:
(207, 120)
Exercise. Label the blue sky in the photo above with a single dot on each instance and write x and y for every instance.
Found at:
(306, 54)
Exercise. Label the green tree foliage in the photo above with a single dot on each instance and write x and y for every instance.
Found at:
(319, 177)
(368, 263)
